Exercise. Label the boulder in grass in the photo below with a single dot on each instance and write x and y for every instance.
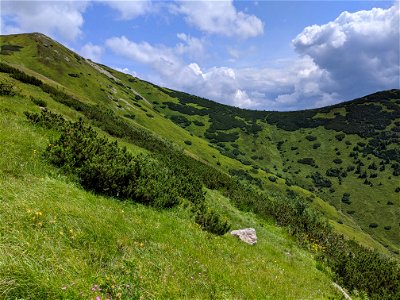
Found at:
(247, 235)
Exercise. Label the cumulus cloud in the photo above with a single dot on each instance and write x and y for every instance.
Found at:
(64, 18)
(92, 52)
(219, 17)
(159, 58)
(131, 9)
(190, 46)
(360, 51)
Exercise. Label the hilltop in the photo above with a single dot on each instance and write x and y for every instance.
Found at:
(256, 169)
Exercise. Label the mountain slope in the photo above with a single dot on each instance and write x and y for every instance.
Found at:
(257, 147)
(58, 241)
(347, 154)
(264, 143)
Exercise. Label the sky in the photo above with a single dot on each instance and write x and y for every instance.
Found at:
(269, 55)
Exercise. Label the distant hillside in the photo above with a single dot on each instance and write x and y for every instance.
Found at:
(209, 165)
(335, 151)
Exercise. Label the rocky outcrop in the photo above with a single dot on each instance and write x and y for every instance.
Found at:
(247, 235)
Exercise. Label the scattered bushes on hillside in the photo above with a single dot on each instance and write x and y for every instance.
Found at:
(221, 136)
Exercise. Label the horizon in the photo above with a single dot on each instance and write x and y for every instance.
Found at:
(260, 55)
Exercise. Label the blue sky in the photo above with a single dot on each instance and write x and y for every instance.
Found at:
(275, 55)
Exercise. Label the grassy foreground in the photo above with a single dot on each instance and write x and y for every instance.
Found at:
(58, 241)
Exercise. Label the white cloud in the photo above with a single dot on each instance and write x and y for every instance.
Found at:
(241, 99)
(131, 9)
(92, 52)
(159, 58)
(126, 71)
(64, 18)
(219, 17)
(190, 46)
(360, 50)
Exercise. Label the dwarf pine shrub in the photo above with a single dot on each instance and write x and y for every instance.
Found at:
(106, 168)
(210, 221)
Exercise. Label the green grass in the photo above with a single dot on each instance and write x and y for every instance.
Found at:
(53, 62)
(59, 241)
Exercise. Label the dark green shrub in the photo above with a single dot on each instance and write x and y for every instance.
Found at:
(181, 120)
(340, 136)
(333, 172)
(73, 75)
(130, 116)
(211, 221)
(188, 142)
(272, 178)
(307, 161)
(337, 161)
(316, 145)
(320, 181)
(346, 198)
(48, 120)
(8, 49)
(387, 227)
(6, 89)
(373, 225)
(311, 138)
(198, 123)
(105, 168)
(39, 102)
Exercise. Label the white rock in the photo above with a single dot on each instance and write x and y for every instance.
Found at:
(247, 235)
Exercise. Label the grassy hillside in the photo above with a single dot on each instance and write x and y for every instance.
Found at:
(348, 149)
(283, 160)
(59, 241)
